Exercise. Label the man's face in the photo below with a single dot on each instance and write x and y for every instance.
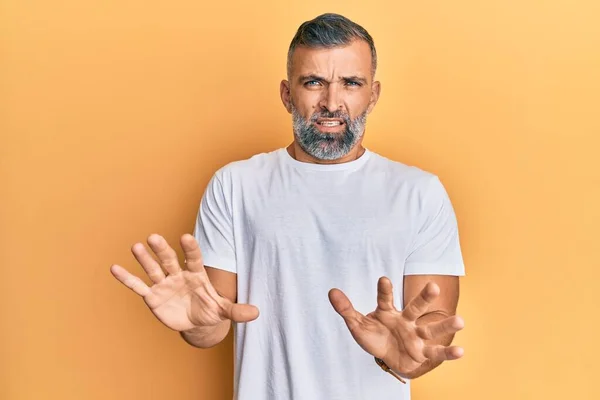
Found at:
(329, 94)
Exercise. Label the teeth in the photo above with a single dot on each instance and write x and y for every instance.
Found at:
(330, 123)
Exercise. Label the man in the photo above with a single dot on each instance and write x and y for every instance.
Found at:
(299, 233)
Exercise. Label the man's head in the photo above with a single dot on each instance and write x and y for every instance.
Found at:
(330, 88)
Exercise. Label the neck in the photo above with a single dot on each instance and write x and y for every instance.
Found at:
(297, 153)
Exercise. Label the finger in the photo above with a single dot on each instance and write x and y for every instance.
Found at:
(385, 294)
(152, 268)
(419, 305)
(241, 312)
(232, 311)
(193, 256)
(131, 281)
(164, 252)
(342, 305)
(442, 353)
(437, 329)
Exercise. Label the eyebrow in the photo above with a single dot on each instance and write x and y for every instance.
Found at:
(313, 77)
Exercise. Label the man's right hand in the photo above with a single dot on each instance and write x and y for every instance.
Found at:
(180, 299)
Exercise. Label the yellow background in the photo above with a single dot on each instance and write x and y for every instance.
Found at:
(114, 115)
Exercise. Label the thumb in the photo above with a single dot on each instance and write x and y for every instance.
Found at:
(342, 305)
(241, 312)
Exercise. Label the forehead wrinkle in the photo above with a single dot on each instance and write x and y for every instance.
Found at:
(317, 76)
(331, 67)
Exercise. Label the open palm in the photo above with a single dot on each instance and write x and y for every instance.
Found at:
(393, 335)
(180, 299)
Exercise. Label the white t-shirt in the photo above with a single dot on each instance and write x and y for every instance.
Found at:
(292, 231)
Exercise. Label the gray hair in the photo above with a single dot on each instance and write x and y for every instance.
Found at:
(328, 31)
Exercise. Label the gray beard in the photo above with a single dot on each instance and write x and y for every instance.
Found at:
(327, 146)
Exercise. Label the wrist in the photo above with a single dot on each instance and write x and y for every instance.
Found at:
(389, 370)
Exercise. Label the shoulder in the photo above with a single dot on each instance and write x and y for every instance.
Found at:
(421, 190)
(397, 173)
(250, 167)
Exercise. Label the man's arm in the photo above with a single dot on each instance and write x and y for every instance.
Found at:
(225, 283)
(442, 307)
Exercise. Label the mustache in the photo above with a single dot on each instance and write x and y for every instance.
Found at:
(329, 114)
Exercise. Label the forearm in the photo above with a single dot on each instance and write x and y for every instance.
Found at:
(428, 365)
(205, 337)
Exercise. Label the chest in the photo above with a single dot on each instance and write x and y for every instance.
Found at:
(340, 220)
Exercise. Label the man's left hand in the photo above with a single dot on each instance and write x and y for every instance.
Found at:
(393, 335)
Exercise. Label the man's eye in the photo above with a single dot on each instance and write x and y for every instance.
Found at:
(352, 83)
(311, 83)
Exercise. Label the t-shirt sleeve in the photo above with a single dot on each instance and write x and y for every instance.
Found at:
(214, 228)
(436, 247)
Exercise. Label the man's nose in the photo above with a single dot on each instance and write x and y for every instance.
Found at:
(331, 99)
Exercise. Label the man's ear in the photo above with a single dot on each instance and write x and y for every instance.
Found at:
(375, 92)
(286, 96)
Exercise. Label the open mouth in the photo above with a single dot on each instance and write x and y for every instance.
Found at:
(329, 123)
